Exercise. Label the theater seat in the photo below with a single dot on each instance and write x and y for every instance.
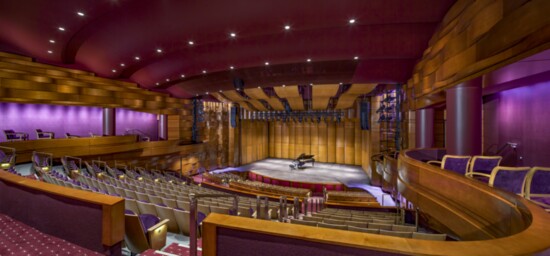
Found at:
(511, 179)
(44, 135)
(144, 232)
(481, 166)
(182, 218)
(168, 214)
(334, 226)
(364, 230)
(403, 234)
(537, 188)
(11, 135)
(425, 236)
(458, 164)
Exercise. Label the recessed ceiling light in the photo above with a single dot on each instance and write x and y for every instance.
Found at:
(259, 87)
(52, 41)
(220, 90)
(50, 51)
(267, 63)
(167, 79)
(159, 50)
(341, 83)
(204, 71)
(157, 84)
(81, 14)
(284, 85)
(308, 60)
(61, 28)
(182, 76)
(351, 21)
(122, 64)
(191, 43)
(137, 58)
(231, 67)
(114, 70)
(310, 84)
(356, 57)
(197, 94)
(287, 27)
(206, 92)
(232, 34)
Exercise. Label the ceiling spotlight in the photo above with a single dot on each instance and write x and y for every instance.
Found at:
(114, 70)
(167, 79)
(206, 93)
(191, 43)
(341, 83)
(137, 58)
(284, 85)
(204, 71)
(308, 60)
(52, 41)
(231, 67)
(351, 21)
(81, 14)
(259, 87)
(61, 28)
(267, 63)
(50, 51)
(220, 90)
(232, 35)
(122, 64)
(159, 50)
(182, 76)
(287, 27)
(310, 84)
(157, 84)
(356, 57)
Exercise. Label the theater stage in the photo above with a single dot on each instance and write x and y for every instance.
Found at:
(351, 176)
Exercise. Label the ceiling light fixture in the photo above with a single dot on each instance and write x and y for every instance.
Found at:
(267, 63)
(61, 28)
(122, 64)
(50, 51)
(259, 87)
(159, 50)
(231, 67)
(351, 21)
(232, 34)
(191, 43)
(310, 84)
(204, 71)
(157, 84)
(356, 57)
(81, 14)
(137, 58)
(308, 60)
(207, 93)
(287, 27)
(52, 41)
(220, 90)
(341, 83)
(182, 76)
(284, 85)
(114, 70)
(167, 79)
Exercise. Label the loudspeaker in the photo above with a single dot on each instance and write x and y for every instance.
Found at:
(238, 83)
(364, 115)
(233, 116)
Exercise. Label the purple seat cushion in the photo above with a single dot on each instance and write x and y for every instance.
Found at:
(485, 165)
(457, 165)
(147, 221)
(511, 181)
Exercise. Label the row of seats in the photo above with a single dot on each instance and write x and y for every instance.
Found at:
(270, 188)
(529, 182)
(222, 178)
(376, 228)
(350, 196)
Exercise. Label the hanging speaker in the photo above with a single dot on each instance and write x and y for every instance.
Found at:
(233, 116)
(364, 114)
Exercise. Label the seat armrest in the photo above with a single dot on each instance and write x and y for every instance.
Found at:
(157, 235)
(472, 174)
(435, 162)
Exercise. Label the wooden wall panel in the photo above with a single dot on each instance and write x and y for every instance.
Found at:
(291, 139)
(306, 144)
(358, 143)
(285, 134)
(349, 146)
(254, 140)
(278, 134)
(477, 37)
(323, 140)
(299, 139)
(314, 140)
(271, 136)
(340, 143)
(173, 127)
(331, 142)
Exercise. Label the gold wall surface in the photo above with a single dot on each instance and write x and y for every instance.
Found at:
(476, 37)
(254, 141)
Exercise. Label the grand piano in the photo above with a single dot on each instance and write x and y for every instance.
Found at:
(300, 162)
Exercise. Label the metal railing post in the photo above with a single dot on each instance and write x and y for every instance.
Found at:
(282, 208)
(266, 208)
(192, 224)
(296, 207)
(416, 217)
(306, 205)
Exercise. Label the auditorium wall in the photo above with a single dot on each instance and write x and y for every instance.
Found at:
(254, 141)
(521, 116)
(77, 120)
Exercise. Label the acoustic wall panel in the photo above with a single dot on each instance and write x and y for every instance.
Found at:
(278, 134)
(349, 147)
(285, 140)
(323, 140)
(340, 143)
(292, 140)
(331, 142)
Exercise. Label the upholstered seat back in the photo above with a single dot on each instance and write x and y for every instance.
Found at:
(458, 164)
(511, 179)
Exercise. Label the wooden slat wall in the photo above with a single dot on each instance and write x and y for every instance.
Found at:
(476, 37)
(254, 141)
(329, 142)
(173, 127)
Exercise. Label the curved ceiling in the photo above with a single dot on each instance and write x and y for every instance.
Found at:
(387, 37)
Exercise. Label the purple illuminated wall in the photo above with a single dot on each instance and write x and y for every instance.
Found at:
(144, 122)
(77, 120)
(520, 115)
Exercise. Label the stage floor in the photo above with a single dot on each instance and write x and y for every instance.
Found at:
(352, 176)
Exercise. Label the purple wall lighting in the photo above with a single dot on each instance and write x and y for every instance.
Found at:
(49, 118)
(132, 120)
(76, 120)
(521, 116)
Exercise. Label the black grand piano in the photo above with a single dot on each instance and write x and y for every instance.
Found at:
(300, 162)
